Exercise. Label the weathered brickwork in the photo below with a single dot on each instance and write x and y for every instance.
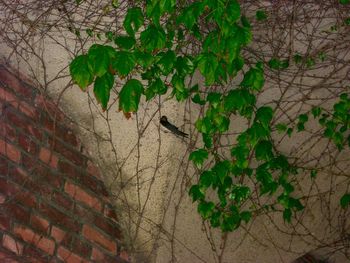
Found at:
(54, 206)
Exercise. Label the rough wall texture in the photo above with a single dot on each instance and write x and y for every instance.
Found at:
(54, 206)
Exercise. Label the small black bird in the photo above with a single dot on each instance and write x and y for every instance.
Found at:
(171, 127)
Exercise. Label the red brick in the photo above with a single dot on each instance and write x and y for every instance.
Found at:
(45, 244)
(59, 218)
(7, 257)
(27, 144)
(4, 166)
(124, 255)
(68, 256)
(51, 110)
(16, 212)
(80, 195)
(13, 245)
(34, 255)
(76, 245)
(5, 222)
(58, 234)
(28, 110)
(2, 199)
(62, 200)
(95, 185)
(10, 151)
(14, 83)
(23, 123)
(8, 188)
(110, 213)
(70, 154)
(93, 170)
(48, 157)
(40, 224)
(26, 198)
(8, 97)
(95, 236)
(7, 131)
(107, 226)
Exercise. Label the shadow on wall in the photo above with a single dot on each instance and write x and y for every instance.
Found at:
(54, 207)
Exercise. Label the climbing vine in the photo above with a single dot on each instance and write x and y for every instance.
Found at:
(151, 58)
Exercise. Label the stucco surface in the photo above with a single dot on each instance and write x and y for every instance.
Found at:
(147, 169)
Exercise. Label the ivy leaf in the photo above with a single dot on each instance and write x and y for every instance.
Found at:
(133, 20)
(246, 216)
(129, 96)
(205, 209)
(344, 2)
(260, 15)
(221, 170)
(197, 99)
(263, 150)
(144, 59)
(81, 72)
(316, 111)
(264, 115)
(125, 42)
(124, 62)
(233, 11)
(214, 98)
(99, 58)
(156, 87)
(153, 38)
(196, 193)
(287, 215)
(179, 89)
(207, 65)
(254, 79)
(190, 14)
(198, 157)
(281, 127)
(166, 62)
(102, 88)
(345, 201)
(184, 65)
(206, 179)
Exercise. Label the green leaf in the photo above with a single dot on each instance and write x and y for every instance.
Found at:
(221, 169)
(240, 193)
(344, 2)
(155, 87)
(179, 89)
(345, 201)
(153, 38)
(133, 20)
(102, 88)
(316, 111)
(207, 65)
(190, 14)
(260, 15)
(144, 59)
(214, 98)
(254, 79)
(264, 115)
(166, 62)
(129, 96)
(206, 209)
(278, 64)
(81, 71)
(297, 58)
(246, 216)
(196, 193)
(233, 11)
(313, 173)
(263, 150)
(198, 157)
(125, 42)
(206, 179)
(281, 127)
(124, 62)
(184, 65)
(99, 58)
(287, 215)
(197, 99)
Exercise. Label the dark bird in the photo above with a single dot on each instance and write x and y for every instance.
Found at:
(171, 127)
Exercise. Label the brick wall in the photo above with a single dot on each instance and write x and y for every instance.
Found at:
(54, 206)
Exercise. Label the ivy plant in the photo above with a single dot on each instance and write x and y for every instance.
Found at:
(152, 48)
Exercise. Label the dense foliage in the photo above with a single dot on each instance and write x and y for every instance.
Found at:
(150, 58)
